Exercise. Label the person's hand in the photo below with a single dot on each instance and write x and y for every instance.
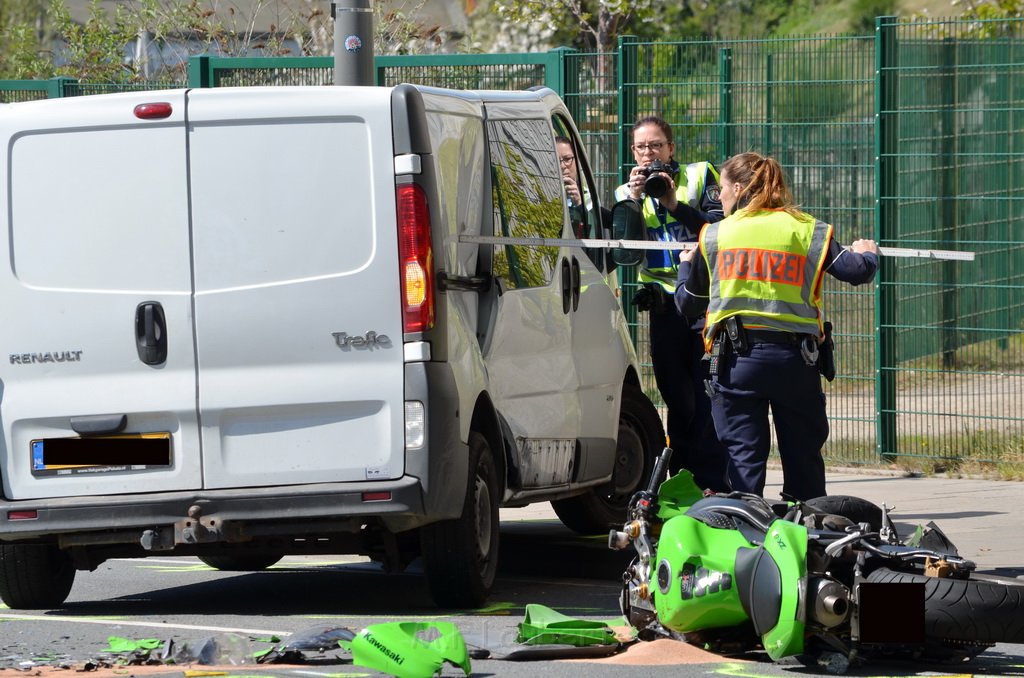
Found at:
(572, 190)
(861, 246)
(636, 183)
(688, 255)
(669, 199)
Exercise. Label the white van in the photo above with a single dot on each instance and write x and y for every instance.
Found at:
(242, 323)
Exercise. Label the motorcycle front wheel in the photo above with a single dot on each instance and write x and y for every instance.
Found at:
(984, 608)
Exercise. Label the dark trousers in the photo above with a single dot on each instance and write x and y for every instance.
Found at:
(676, 353)
(772, 376)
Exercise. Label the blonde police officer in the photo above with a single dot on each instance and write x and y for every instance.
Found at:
(758, 275)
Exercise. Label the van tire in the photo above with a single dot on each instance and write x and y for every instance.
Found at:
(460, 556)
(641, 437)
(247, 562)
(35, 576)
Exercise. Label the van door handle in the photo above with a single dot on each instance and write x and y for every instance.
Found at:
(151, 333)
(566, 287)
(575, 284)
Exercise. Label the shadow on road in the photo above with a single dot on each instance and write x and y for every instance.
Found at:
(540, 562)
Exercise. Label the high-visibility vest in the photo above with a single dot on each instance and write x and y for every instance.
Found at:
(766, 267)
(662, 266)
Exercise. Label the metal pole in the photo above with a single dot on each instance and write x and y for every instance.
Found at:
(353, 42)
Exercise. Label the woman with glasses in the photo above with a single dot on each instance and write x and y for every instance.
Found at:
(757, 275)
(676, 202)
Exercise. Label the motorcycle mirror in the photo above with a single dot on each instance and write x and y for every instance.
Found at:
(627, 224)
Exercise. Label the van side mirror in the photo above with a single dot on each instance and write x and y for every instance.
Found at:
(627, 224)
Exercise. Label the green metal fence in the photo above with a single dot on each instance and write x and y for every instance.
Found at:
(911, 136)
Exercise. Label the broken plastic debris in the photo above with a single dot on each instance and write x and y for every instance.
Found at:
(409, 649)
(225, 648)
(319, 638)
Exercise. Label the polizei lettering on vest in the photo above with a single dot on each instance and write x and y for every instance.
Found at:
(55, 357)
(767, 265)
(385, 650)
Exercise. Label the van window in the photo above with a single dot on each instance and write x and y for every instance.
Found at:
(585, 217)
(528, 201)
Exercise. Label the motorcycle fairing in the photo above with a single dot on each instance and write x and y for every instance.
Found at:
(786, 543)
(677, 494)
(696, 578)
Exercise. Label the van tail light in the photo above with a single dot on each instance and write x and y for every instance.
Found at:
(416, 259)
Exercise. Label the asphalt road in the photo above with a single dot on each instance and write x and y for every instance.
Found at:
(542, 562)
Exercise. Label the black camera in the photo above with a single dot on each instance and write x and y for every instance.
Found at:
(655, 186)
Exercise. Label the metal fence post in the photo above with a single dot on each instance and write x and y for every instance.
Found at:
(59, 87)
(769, 104)
(626, 77)
(562, 74)
(725, 103)
(948, 195)
(886, 213)
(200, 73)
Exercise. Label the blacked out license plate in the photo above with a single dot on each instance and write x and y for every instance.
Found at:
(100, 454)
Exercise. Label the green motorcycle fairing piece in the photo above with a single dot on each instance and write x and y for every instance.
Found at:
(409, 649)
(677, 494)
(544, 626)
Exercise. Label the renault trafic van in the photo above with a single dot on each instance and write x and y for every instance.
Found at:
(243, 323)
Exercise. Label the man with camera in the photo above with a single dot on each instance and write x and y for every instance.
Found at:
(676, 203)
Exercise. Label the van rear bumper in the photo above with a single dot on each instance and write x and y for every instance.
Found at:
(220, 515)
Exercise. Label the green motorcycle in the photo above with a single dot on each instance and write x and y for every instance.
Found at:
(828, 581)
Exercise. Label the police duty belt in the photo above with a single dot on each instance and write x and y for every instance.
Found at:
(598, 243)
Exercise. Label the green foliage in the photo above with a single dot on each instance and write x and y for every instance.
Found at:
(23, 31)
(589, 25)
(21, 56)
(863, 13)
(95, 50)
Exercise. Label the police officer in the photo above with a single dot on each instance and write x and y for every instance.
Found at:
(758, 274)
(676, 204)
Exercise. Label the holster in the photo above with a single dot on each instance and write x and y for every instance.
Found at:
(826, 363)
(737, 335)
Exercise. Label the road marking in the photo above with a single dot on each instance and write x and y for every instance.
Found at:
(156, 625)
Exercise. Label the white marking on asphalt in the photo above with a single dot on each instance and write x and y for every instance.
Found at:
(158, 625)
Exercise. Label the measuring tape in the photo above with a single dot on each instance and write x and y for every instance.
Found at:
(906, 252)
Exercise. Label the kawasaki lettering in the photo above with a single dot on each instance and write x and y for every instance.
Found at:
(767, 265)
(385, 650)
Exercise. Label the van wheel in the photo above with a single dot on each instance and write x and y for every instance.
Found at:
(460, 556)
(641, 438)
(247, 562)
(35, 576)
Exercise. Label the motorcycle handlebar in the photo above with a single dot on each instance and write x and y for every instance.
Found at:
(659, 470)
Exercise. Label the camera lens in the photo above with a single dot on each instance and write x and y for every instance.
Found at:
(655, 186)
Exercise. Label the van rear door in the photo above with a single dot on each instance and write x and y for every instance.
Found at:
(297, 301)
(97, 333)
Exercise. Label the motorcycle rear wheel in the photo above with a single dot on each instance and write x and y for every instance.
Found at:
(982, 609)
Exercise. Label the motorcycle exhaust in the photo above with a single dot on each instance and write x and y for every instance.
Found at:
(831, 602)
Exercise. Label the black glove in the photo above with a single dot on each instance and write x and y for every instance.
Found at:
(643, 298)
